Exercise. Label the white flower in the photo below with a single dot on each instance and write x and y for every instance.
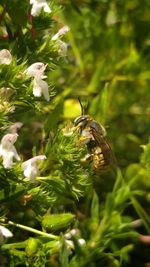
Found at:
(70, 244)
(14, 127)
(40, 87)
(73, 232)
(30, 168)
(81, 241)
(62, 47)
(4, 232)
(5, 57)
(36, 70)
(68, 130)
(37, 6)
(61, 32)
(8, 150)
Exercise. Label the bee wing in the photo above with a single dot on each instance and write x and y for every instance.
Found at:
(102, 142)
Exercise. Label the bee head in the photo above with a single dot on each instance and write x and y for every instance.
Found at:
(82, 120)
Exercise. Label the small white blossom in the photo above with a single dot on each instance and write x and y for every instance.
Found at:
(4, 232)
(69, 130)
(36, 70)
(37, 6)
(62, 48)
(70, 244)
(40, 87)
(14, 127)
(5, 57)
(8, 150)
(61, 32)
(30, 168)
(81, 241)
(73, 232)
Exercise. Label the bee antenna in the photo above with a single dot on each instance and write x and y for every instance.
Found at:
(86, 106)
(82, 107)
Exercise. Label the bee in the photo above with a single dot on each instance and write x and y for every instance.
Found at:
(93, 135)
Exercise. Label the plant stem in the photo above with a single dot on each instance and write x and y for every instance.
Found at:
(27, 228)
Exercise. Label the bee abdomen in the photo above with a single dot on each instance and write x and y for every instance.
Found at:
(99, 162)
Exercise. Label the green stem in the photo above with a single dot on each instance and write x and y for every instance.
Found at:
(100, 230)
(27, 228)
(95, 80)
(142, 213)
(18, 245)
(75, 48)
(76, 52)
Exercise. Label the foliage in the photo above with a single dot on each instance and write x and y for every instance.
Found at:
(67, 215)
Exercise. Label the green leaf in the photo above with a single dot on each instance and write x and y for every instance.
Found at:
(31, 246)
(119, 181)
(54, 117)
(19, 8)
(145, 157)
(142, 213)
(57, 221)
(64, 254)
(95, 208)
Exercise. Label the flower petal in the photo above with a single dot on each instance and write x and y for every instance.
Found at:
(14, 127)
(7, 161)
(5, 57)
(36, 69)
(5, 232)
(45, 92)
(30, 167)
(39, 157)
(37, 90)
(9, 139)
(8, 150)
(37, 6)
(61, 32)
(47, 8)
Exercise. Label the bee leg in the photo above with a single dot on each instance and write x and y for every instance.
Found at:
(84, 140)
(87, 158)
